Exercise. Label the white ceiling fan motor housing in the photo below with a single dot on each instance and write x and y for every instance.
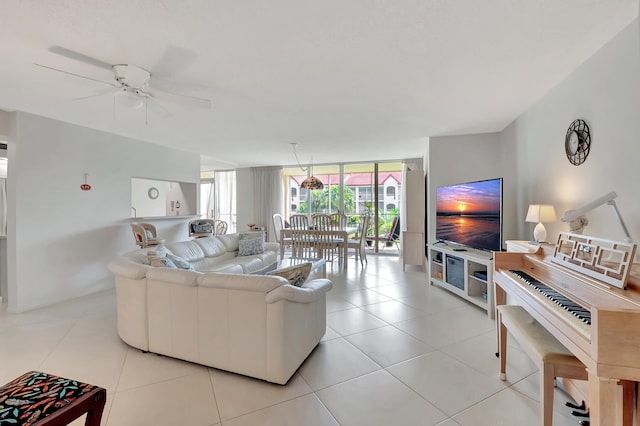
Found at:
(132, 76)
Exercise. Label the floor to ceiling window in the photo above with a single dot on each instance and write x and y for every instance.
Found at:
(356, 189)
(218, 197)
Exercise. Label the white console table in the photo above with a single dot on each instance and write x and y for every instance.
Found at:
(465, 272)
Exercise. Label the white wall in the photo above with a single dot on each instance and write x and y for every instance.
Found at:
(60, 239)
(5, 120)
(605, 92)
(458, 159)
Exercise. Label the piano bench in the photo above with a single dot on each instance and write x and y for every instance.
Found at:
(39, 399)
(551, 356)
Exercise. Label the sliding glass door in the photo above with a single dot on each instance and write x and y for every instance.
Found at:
(356, 189)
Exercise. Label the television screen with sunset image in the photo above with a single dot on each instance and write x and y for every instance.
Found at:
(470, 214)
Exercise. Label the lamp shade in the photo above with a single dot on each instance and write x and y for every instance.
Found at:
(312, 182)
(541, 213)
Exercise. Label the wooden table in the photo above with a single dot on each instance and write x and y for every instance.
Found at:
(341, 235)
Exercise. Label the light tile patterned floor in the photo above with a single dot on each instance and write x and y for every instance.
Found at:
(397, 351)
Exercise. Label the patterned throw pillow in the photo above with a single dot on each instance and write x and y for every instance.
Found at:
(250, 243)
(179, 262)
(296, 275)
(162, 262)
(158, 257)
(202, 227)
(157, 251)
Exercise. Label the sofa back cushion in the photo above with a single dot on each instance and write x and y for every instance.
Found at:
(211, 246)
(230, 241)
(188, 250)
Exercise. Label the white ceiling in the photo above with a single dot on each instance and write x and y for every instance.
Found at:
(348, 80)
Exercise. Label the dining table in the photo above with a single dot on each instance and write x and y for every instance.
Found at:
(341, 236)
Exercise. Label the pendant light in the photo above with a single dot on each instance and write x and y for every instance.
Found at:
(311, 182)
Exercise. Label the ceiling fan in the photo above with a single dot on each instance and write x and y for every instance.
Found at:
(129, 80)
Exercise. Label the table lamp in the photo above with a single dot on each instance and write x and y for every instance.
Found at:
(539, 213)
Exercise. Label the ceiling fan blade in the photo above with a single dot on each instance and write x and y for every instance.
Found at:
(179, 99)
(76, 56)
(157, 108)
(173, 60)
(96, 94)
(78, 75)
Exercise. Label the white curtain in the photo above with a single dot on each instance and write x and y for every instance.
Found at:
(3, 206)
(225, 198)
(412, 164)
(268, 196)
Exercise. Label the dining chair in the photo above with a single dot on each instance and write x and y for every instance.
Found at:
(145, 235)
(391, 236)
(299, 221)
(301, 240)
(327, 244)
(359, 244)
(340, 219)
(278, 226)
(302, 243)
(220, 227)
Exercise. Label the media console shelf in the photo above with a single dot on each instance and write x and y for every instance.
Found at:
(465, 272)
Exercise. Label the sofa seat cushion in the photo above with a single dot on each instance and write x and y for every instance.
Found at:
(226, 268)
(267, 258)
(250, 264)
(212, 263)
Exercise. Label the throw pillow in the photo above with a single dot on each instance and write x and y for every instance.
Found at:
(179, 262)
(202, 227)
(158, 257)
(162, 262)
(250, 243)
(157, 251)
(296, 275)
(148, 234)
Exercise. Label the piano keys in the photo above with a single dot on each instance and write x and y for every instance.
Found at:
(597, 320)
(556, 297)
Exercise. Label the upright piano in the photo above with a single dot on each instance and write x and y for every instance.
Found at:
(582, 290)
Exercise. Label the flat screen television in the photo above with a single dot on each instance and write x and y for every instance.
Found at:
(470, 214)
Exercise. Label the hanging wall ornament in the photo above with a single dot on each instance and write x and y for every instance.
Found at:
(85, 186)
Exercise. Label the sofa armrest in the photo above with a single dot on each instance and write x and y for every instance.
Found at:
(272, 246)
(128, 268)
(174, 276)
(309, 292)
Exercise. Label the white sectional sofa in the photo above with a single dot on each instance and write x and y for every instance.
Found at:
(223, 313)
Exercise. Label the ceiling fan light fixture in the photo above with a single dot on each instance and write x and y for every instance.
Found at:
(131, 75)
(130, 99)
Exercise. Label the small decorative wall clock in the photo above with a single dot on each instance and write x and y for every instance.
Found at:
(577, 142)
(153, 192)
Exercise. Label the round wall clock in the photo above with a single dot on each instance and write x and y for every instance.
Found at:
(577, 142)
(153, 193)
